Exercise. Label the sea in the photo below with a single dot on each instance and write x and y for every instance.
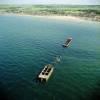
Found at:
(28, 43)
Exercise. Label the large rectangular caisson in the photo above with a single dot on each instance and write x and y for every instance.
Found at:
(68, 41)
(46, 73)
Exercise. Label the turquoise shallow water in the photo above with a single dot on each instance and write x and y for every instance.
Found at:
(28, 43)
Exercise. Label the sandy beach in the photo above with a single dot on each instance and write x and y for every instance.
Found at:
(61, 17)
(56, 17)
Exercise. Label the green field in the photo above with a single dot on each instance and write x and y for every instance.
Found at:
(85, 11)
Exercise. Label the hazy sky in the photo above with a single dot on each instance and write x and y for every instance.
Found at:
(82, 2)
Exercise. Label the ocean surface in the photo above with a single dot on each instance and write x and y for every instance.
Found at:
(28, 43)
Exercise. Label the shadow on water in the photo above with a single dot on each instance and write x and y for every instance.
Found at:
(3, 93)
(96, 93)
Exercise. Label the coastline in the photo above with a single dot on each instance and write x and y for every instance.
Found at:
(61, 12)
(56, 17)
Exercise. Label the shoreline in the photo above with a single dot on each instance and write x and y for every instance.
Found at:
(56, 17)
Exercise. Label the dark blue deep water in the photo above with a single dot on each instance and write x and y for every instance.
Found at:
(28, 43)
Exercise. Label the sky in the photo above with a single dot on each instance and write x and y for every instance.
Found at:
(71, 2)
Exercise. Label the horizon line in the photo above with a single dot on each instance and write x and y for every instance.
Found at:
(47, 4)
